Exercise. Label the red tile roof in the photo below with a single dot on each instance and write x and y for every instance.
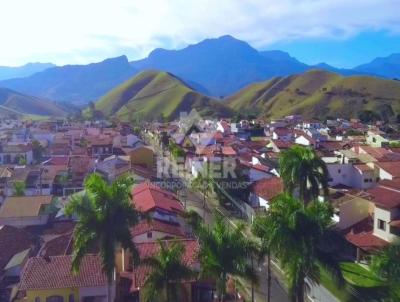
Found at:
(59, 228)
(393, 184)
(13, 241)
(58, 161)
(268, 188)
(281, 131)
(395, 223)
(147, 197)
(363, 167)
(393, 168)
(228, 151)
(361, 235)
(331, 145)
(55, 272)
(159, 226)
(59, 246)
(385, 197)
(282, 144)
(258, 167)
(101, 140)
(374, 152)
(150, 249)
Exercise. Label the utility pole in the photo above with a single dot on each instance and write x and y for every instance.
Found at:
(40, 179)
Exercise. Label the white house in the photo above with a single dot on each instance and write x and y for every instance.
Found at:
(361, 176)
(15, 153)
(282, 134)
(223, 127)
(305, 140)
(311, 124)
(148, 231)
(264, 190)
(368, 219)
(387, 211)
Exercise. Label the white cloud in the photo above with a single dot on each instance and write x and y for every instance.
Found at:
(80, 31)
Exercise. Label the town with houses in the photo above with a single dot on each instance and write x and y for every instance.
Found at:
(44, 164)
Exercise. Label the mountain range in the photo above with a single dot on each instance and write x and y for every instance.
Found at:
(388, 67)
(215, 67)
(23, 71)
(74, 83)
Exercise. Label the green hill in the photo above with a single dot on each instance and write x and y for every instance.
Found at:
(18, 104)
(153, 94)
(318, 93)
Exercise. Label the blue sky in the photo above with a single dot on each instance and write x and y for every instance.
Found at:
(340, 32)
(342, 52)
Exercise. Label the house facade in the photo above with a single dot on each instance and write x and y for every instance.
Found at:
(51, 280)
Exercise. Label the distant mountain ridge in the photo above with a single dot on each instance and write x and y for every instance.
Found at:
(216, 67)
(75, 83)
(26, 70)
(15, 103)
(388, 67)
(221, 65)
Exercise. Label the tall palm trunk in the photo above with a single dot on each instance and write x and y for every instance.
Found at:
(204, 205)
(269, 277)
(167, 293)
(300, 294)
(221, 287)
(252, 283)
(300, 289)
(109, 284)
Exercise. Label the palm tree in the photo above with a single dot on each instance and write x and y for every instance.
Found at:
(193, 220)
(260, 230)
(19, 188)
(105, 216)
(167, 271)
(296, 235)
(301, 169)
(63, 181)
(203, 183)
(37, 150)
(223, 253)
(386, 264)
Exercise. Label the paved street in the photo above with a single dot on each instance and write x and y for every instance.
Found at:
(194, 201)
(278, 293)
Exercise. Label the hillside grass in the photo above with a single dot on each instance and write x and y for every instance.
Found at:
(18, 103)
(318, 93)
(152, 95)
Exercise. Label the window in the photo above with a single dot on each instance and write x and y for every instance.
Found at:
(37, 299)
(55, 299)
(71, 298)
(339, 171)
(149, 235)
(381, 225)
